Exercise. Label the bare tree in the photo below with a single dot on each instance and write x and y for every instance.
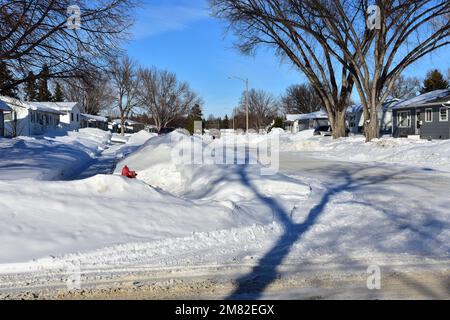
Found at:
(399, 33)
(405, 88)
(125, 82)
(92, 91)
(300, 99)
(292, 31)
(164, 97)
(262, 107)
(321, 36)
(35, 33)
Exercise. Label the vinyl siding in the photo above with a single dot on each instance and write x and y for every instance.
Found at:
(436, 129)
(403, 132)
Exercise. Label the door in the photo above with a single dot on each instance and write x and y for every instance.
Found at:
(418, 122)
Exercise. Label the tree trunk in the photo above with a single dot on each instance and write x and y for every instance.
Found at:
(372, 127)
(122, 122)
(339, 127)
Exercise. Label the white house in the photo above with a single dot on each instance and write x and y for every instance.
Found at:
(27, 120)
(299, 122)
(70, 118)
(3, 108)
(93, 121)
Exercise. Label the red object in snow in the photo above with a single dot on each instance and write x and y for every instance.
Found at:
(126, 172)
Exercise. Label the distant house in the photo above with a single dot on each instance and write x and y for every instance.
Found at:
(355, 118)
(426, 116)
(93, 121)
(3, 108)
(70, 118)
(131, 126)
(299, 122)
(28, 119)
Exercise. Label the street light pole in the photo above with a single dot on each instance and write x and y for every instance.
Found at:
(246, 99)
(246, 102)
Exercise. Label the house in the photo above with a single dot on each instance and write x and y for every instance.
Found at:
(425, 116)
(3, 108)
(28, 119)
(299, 122)
(92, 121)
(355, 118)
(70, 118)
(130, 126)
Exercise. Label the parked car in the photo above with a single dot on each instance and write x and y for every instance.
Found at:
(166, 130)
(323, 131)
(326, 131)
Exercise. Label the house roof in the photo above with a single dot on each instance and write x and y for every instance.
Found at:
(128, 122)
(35, 106)
(306, 116)
(387, 105)
(433, 97)
(58, 106)
(94, 117)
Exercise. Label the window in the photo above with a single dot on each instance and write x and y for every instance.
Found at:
(71, 116)
(78, 117)
(443, 114)
(404, 119)
(428, 115)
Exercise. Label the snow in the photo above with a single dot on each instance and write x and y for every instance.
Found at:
(402, 151)
(57, 156)
(313, 115)
(424, 99)
(58, 106)
(35, 106)
(94, 117)
(46, 218)
(315, 211)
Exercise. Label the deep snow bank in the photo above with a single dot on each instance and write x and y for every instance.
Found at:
(158, 165)
(52, 157)
(41, 218)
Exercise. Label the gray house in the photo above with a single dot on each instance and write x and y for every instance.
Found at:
(3, 107)
(426, 116)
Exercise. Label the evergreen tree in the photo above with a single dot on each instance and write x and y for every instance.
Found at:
(226, 123)
(278, 123)
(196, 114)
(44, 94)
(31, 90)
(6, 80)
(434, 81)
(58, 96)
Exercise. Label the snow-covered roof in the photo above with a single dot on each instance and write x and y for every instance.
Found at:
(424, 99)
(94, 117)
(4, 106)
(13, 102)
(127, 122)
(306, 116)
(358, 107)
(58, 106)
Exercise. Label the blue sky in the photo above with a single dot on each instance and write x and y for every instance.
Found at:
(179, 35)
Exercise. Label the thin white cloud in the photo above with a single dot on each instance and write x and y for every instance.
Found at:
(156, 19)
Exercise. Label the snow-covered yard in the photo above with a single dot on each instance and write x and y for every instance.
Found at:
(316, 213)
(403, 151)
